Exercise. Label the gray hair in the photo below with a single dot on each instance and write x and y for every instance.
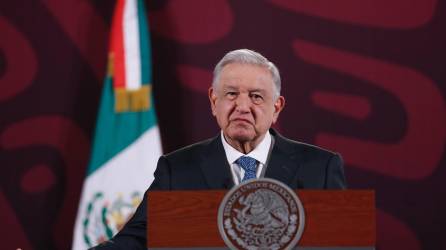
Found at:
(246, 56)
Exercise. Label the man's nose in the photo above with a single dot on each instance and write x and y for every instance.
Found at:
(243, 103)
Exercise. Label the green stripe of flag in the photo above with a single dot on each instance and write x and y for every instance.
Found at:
(144, 44)
(116, 131)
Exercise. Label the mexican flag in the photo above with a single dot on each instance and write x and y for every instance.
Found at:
(126, 144)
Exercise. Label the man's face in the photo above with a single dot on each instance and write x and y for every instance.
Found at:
(243, 102)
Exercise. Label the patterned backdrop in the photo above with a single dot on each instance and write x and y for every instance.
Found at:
(365, 78)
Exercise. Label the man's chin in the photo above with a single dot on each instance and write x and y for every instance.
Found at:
(241, 136)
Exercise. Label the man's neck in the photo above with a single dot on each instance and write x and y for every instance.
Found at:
(244, 147)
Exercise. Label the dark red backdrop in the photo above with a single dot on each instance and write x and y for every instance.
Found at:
(365, 78)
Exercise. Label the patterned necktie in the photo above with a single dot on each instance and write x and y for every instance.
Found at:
(248, 164)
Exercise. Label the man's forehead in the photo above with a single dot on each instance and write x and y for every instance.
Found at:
(236, 75)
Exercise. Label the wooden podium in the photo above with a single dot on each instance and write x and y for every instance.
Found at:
(333, 220)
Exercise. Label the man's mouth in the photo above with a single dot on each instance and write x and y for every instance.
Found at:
(241, 120)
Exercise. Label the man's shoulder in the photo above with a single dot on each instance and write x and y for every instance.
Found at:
(294, 146)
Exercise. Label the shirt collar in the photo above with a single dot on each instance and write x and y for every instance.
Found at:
(260, 153)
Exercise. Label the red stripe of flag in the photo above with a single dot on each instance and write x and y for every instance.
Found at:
(117, 46)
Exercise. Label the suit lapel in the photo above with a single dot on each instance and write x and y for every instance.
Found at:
(215, 167)
(283, 161)
(281, 166)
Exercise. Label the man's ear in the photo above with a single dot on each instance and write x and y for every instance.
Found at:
(279, 104)
(212, 98)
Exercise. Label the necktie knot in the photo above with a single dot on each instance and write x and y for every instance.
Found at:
(248, 164)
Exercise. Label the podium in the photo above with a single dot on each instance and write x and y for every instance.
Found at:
(335, 220)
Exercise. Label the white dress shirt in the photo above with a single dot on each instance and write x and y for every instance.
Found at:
(260, 153)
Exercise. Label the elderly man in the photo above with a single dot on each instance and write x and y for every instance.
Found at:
(245, 99)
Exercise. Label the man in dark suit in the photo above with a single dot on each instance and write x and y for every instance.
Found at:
(245, 99)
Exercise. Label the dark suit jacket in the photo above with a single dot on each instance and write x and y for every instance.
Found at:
(204, 166)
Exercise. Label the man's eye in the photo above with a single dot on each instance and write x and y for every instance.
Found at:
(231, 94)
(256, 97)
